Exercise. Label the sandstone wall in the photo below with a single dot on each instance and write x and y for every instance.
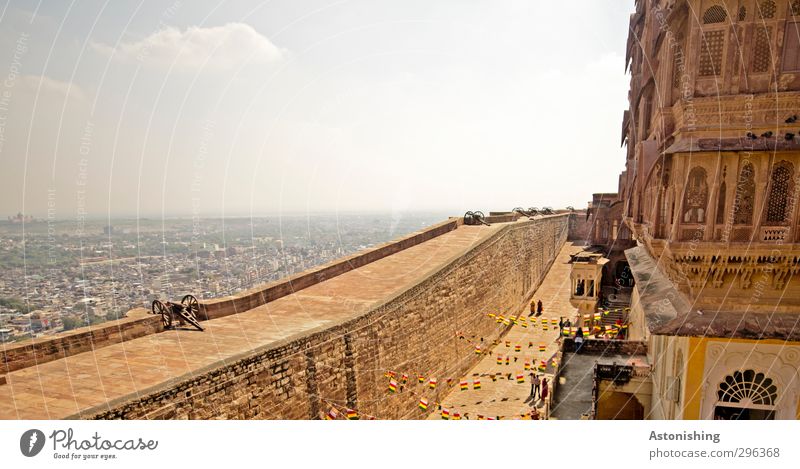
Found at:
(580, 228)
(417, 331)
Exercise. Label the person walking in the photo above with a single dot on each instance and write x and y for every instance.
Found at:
(539, 308)
(535, 383)
(578, 340)
(561, 323)
(545, 390)
(533, 307)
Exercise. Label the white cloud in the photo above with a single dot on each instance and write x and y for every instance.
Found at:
(46, 86)
(215, 47)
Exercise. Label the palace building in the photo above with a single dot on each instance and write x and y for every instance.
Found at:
(709, 194)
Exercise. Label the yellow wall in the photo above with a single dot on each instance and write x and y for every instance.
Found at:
(695, 365)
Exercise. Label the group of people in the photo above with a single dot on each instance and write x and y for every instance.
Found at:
(539, 387)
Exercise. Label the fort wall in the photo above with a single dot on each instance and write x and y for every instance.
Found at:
(580, 227)
(430, 329)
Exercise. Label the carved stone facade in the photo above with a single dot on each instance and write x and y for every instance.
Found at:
(713, 144)
(710, 192)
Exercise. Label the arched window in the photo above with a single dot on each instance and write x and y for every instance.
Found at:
(721, 203)
(780, 193)
(580, 287)
(695, 197)
(715, 14)
(746, 395)
(745, 196)
(766, 9)
(748, 387)
(742, 13)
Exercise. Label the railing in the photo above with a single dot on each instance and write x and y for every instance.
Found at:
(641, 371)
(620, 374)
(692, 232)
(773, 234)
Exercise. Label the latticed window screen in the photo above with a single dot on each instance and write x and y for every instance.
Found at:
(761, 51)
(766, 9)
(748, 387)
(711, 53)
(780, 192)
(721, 203)
(745, 196)
(742, 13)
(715, 14)
(678, 61)
(794, 8)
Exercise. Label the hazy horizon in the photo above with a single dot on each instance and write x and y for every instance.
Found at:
(256, 109)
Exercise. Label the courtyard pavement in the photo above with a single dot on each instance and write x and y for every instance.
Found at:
(504, 396)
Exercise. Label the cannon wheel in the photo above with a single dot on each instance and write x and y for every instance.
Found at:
(191, 306)
(166, 314)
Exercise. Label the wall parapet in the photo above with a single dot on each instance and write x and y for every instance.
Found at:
(252, 298)
(33, 352)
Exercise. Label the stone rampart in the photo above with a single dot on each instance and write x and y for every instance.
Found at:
(430, 329)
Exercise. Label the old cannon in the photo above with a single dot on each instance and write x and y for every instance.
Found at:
(475, 218)
(184, 312)
(530, 213)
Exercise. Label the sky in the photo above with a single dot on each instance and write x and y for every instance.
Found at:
(208, 108)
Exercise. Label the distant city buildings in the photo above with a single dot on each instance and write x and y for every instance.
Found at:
(20, 218)
(55, 280)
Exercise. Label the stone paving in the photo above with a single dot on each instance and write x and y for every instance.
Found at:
(64, 387)
(504, 397)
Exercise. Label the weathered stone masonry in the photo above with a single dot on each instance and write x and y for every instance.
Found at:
(417, 331)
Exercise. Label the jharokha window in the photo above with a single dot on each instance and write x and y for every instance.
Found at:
(715, 14)
(745, 196)
(764, 43)
(695, 197)
(713, 41)
(780, 193)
